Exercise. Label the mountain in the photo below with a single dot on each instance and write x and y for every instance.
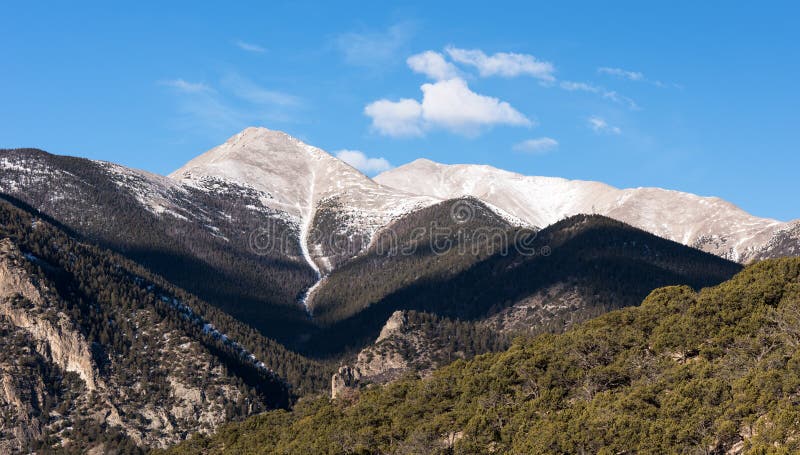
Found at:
(249, 226)
(272, 230)
(714, 371)
(274, 253)
(337, 208)
(208, 238)
(99, 352)
(707, 223)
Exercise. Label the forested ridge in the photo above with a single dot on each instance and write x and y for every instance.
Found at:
(126, 313)
(685, 372)
(106, 278)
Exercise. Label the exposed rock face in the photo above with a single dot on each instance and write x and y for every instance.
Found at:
(402, 347)
(53, 379)
(61, 340)
(393, 326)
(552, 309)
(378, 363)
(344, 384)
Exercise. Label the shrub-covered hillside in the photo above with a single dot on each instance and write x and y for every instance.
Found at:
(685, 372)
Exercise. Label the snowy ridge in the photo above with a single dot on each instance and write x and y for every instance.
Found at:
(154, 192)
(186, 312)
(708, 223)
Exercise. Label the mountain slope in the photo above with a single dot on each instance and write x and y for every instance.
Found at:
(208, 238)
(602, 263)
(711, 224)
(685, 372)
(99, 351)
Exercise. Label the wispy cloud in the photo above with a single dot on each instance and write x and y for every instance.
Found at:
(249, 47)
(536, 146)
(579, 87)
(362, 162)
(503, 64)
(634, 76)
(236, 102)
(619, 72)
(448, 104)
(599, 125)
(607, 94)
(186, 86)
(251, 92)
(374, 49)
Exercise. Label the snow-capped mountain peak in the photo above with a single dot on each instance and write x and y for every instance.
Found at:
(297, 178)
(295, 174)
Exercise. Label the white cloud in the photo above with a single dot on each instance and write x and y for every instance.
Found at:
(185, 86)
(453, 105)
(249, 47)
(396, 118)
(536, 146)
(373, 49)
(248, 90)
(503, 63)
(362, 162)
(619, 72)
(448, 104)
(433, 65)
(599, 125)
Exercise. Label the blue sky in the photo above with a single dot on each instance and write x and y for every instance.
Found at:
(693, 96)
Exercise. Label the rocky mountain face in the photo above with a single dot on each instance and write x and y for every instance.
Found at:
(708, 223)
(99, 354)
(54, 379)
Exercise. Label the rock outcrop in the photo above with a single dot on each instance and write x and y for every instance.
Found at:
(405, 345)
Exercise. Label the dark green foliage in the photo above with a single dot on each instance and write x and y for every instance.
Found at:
(685, 372)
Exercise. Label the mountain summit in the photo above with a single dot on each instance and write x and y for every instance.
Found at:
(300, 180)
(295, 174)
